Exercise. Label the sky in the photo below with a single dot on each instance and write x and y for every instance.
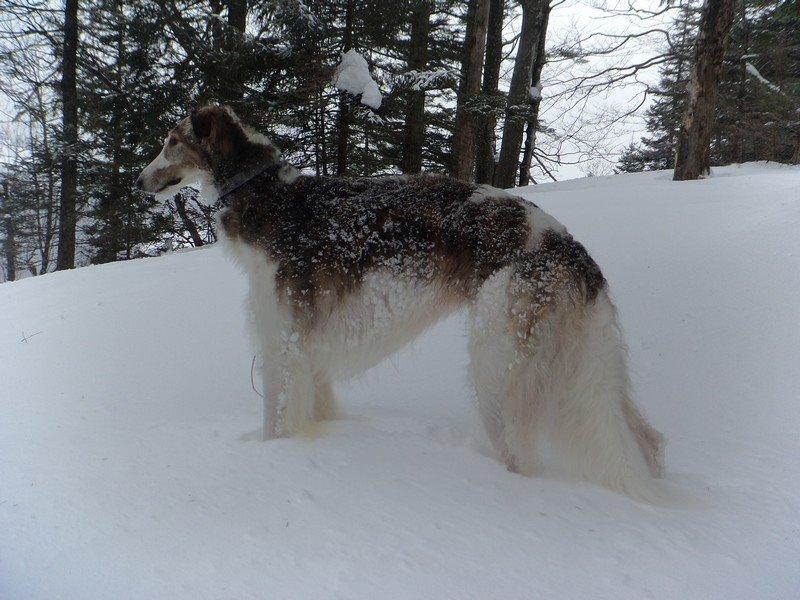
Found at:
(588, 24)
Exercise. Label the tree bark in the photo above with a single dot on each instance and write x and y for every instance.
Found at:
(10, 243)
(463, 145)
(69, 164)
(237, 16)
(414, 130)
(693, 155)
(741, 92)
(114, 201)
(231, 84)
(47, 239)
(485, 143)
(536, 81)
(345, 116)
(519, 94)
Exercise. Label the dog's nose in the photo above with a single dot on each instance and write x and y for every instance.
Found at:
(139, 182)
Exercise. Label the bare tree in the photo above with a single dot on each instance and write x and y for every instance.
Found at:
(693, 153)
(535, 98)
(69, 163)
(463, 144)
(26, 65)
(9, 241)
(485, 143)
(519, 93)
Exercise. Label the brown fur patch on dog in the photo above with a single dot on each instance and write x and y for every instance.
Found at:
(217, 134)
(326, 233)
(559, 269)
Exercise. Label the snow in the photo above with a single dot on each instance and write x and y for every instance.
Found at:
(536, 91)
(751, 68)
(352, 75)
(129, 465)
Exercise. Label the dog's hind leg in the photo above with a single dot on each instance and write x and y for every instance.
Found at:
(494, 371)
(650, 441)
(570, 341)
(597, 428)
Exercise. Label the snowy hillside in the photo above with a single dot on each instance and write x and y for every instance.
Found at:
(129, 466)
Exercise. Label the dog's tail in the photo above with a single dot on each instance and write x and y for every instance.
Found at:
(569, 379)
(598, 432)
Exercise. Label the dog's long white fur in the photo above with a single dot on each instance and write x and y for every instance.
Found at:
(571, 390)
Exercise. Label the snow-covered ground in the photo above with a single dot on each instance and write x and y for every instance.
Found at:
(129, 466)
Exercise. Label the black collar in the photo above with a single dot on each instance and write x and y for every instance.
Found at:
(238, 180)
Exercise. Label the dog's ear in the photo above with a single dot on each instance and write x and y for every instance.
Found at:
(218, 130)
(203, 122)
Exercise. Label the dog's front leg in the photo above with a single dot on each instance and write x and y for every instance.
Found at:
(288, 383)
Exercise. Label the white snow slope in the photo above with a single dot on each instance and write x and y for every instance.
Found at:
(129, 468)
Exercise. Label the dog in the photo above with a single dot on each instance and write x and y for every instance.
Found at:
(344, 272)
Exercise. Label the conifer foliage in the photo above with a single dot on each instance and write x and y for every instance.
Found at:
(88, 89)
(759, 90)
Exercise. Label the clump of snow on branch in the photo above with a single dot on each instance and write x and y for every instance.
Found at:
(751, 68)
(536, 92)
(352, 76)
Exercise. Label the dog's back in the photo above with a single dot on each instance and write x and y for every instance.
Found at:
(327, 234)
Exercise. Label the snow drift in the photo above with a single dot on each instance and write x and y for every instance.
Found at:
(129, 466)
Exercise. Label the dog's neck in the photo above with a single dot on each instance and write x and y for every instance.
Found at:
(236, 182)
(250, 161)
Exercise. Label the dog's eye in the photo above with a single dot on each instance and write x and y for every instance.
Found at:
(172, 141)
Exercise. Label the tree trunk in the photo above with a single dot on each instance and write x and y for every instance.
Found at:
(536, 82)
(10, 243)
(692, 160)
(519, 94)
(796, 155)
(114, 202)
(679, 74)
(463, 146)
(485, 144)
(69, 164)
(237, 16)
(231, 86)
(217, 36)
(47, 240)
(345, 116)
(322, 105)
(414, 131)
(741, 92)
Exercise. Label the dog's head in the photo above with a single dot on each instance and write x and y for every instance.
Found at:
(206, 146)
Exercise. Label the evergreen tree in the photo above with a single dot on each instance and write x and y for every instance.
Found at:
(663, 117)
(759, 90)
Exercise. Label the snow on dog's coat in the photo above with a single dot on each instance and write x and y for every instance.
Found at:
(344, 272)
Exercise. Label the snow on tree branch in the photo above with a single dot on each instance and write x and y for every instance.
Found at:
(424, 80)
(751, 68)
(301, 10)
(352, 76)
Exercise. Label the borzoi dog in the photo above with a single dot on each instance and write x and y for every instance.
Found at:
(344, 272)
